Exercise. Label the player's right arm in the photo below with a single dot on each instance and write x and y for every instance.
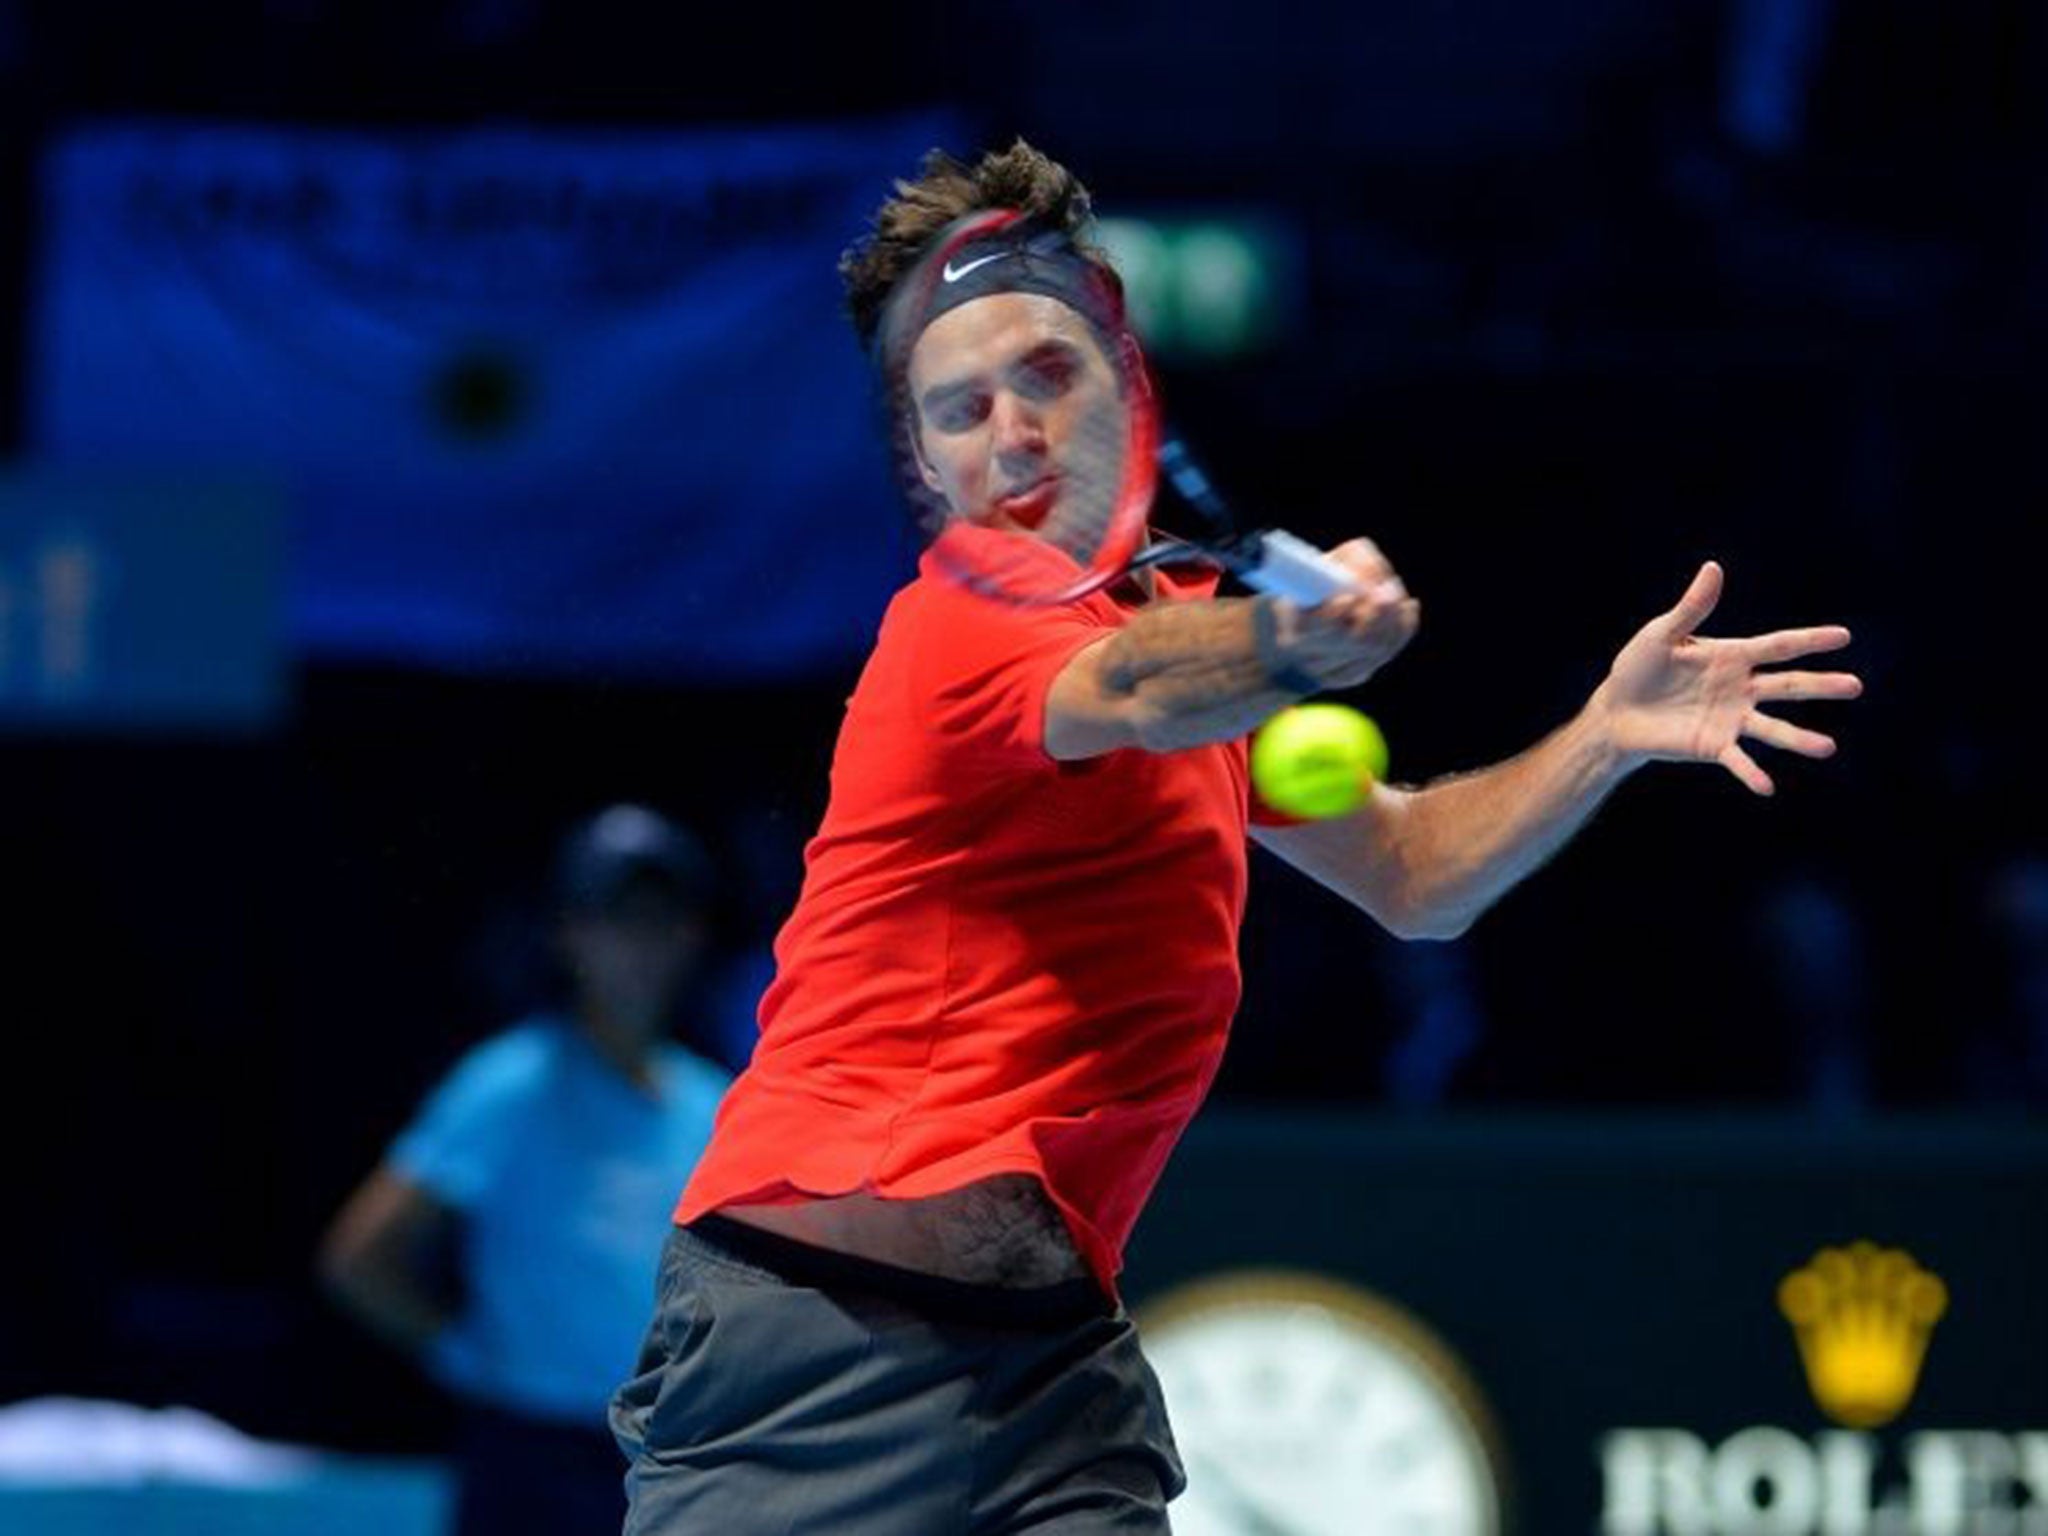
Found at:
(1184, 675)
(384, 1260)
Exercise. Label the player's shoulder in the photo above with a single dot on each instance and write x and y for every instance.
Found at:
(928, 608)
(934, 603)
(690, 1075)
(517, 1060)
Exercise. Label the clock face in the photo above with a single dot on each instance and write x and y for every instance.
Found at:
(1307, 1408)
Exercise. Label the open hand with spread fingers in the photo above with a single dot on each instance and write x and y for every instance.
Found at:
(1677, 695)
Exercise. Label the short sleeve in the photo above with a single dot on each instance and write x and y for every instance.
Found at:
(462, 1134)
(983, 669)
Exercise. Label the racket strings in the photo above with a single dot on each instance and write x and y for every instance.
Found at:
(1043, 530)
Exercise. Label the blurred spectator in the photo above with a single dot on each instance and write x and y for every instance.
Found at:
(1772, 49)
(1437, 995)
(510, 1235)
(1820, 964)
(2008, 1060)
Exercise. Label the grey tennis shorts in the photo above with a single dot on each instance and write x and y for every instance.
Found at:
(784, 1390)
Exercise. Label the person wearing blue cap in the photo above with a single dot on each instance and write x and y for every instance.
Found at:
(547, 1163)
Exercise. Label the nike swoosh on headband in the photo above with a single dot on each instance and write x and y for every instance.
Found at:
(953, 274)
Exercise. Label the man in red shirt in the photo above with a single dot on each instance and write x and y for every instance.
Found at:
(889, 1302)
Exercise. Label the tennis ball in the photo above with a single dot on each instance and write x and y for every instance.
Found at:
(1317, 760)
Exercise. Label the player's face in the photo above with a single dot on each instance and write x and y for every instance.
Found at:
(1018, 417)
(634, 956)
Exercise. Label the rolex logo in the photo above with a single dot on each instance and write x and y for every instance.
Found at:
(1862, 1315)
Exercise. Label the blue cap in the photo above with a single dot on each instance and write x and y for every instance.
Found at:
(601, 857)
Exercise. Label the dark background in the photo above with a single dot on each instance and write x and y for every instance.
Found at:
(1570, 324)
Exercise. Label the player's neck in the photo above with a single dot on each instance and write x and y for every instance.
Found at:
(623, 1039)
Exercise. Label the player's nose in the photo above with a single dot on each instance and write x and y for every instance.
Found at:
(1017, 426)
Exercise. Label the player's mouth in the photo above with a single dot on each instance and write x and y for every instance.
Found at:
(1029, 505)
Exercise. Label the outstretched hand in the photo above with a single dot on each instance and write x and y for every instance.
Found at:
(1676, 695)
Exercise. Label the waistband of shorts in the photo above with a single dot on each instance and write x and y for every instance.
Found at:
(1061, 1305)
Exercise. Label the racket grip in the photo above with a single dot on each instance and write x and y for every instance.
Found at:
(1293, 568)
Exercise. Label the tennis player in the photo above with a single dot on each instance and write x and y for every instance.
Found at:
(889, 1305)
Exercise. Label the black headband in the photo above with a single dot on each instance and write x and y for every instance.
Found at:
(1023, 258)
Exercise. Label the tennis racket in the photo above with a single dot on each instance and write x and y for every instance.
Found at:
(1028, 434)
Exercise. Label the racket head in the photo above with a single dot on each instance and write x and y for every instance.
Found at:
(1022, 417)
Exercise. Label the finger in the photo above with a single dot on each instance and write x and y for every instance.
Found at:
(1358, 613)
(1367, 647)
(1381, 618)
(1790, 644)
(1352, 602)
(1743, 766)
(1698, 602)
(1364, 559)
(1786, 736)
(1339, 612)
(1806, 685)
(1385, 605)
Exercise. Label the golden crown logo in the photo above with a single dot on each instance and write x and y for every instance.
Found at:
(1862, 1315)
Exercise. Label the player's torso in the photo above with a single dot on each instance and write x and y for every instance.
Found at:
(1002, 1230)
(1004, 975)
(1088, 903)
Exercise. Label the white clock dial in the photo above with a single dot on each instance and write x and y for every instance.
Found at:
(1307, 1408)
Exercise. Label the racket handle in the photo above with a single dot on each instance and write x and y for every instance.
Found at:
(1285, 566)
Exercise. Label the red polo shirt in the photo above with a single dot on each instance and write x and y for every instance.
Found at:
(999, 963)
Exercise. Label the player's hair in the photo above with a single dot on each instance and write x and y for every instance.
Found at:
(946, 189)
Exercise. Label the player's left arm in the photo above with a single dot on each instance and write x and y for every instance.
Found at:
(1426, 862)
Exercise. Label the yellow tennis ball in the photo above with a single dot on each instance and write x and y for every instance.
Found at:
(1317, 760)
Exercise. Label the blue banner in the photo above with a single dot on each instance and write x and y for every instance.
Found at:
(548, 402)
